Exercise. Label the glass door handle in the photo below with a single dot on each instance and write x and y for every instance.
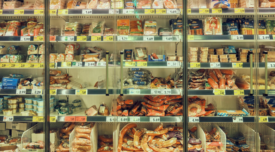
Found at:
(107, 73)
(266, 73)
(121, 73)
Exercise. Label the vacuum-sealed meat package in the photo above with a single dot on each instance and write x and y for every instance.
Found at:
(57, 4)
(170, 4)
(136, 28)
(213, 26)
(103, 4)
(150, 28)
(144, 4)
(123, 26)
(92, 4)
(157, 4)
(96, 29)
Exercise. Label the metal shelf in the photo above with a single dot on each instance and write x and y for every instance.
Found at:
(218, 65)
(22, 38)
(220, 11)
(152, 64)
(226, 92)
(220, 119)
(22, 12)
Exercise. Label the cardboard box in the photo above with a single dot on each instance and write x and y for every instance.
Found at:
(53, 139)
(9, 149)
(18, 126)
(3, 126)
(5, 132)
(16, 133)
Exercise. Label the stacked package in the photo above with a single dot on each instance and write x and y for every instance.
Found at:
(79, 143)
(12, 4)
(248, 103)
(213, 140)
(270, 53)
(11, 54)
(137, 78)
(57, 4)
(176, 26)
(203, 54)
(72, 29)
(36, 53)
(213, 26)
(267, 3)
(195, 27)
(243, 54)
(193, 54)
(212, 56)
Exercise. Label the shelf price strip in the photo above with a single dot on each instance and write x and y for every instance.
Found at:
(69, 119)
(81, 119)
(195, 65)
(271, 65)
(161, 91)
(8, 118)
(21, 91)
(25, 38)
(87, 11)
(141, 64)
(96, 38)
(149, 11)
(134, 91)
(19, 12)
(263, 37)
(219, 92)
(194, 119)
(215, 64)
(237, 119)
(53, 92)
(134, 119)
(237, 65)
(130, 63)
(204, 11)
(37, 91)
(122, 119)
(263, 119)
(111, 119)
(216, 10)
(239, 10)
(38, 12)
(154, 119)
(108, 38)
(239, 92)
(237, 37)
(81, 38)
(37, 119)
(1, 12)
(160, 11)
(81, 92)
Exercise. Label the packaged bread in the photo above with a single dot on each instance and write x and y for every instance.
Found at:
(3, 49)
(223, 59)
(60, 57)
(213, 26)
(219, 51)
(170, 4)
(136, 28)
(33, 49)
(123, 26)
(150, 28)
(69, 58)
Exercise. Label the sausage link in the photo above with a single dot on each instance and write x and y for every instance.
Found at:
(160, 127)
(157, 133)
(144, 144)
(122, 133)
(105, 139)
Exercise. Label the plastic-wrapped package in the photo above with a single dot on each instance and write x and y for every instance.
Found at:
(92, 4)
(150, 28)
(13, 49)
(38, 4)
(118, 4)
(213, 26)
(69, 58)
(220, 4)
(72, 29)
(108, 31)
(53, 57)
(195, 27)
(103, 110)
(164, 31)
(41, 58)
(57, 4)
(176, 25)
(103, 4)
(170, 4)
(157, 4)
(136, 28)
(123, 26)
(144, 4)
(92, 111)
(16, 58)
(12, 4)
(3, 49)
(5, 58)
(60, 57)
(262, 27)
(33, 49)
(140, 54)
(32, 59)
(41, 49)
(246, 3)
(72, 48)
(97, 28)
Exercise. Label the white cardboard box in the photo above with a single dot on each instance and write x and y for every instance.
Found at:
(16, 133)
(18, 126)
(5, 132)
(3, 126)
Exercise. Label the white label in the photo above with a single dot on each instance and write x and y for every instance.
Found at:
(263, 37)
(112, 11)
(172, 11)
(173, 63)
(128, 11)
(21, 91)
(101, 63)
(122, 119)
(122, 38)
(236, 37)
(134, 91)
(148, 38)
(37, 91)
(8, 118)
(167, 38)
(134, 119)
(77, 64)
(89, 64)
(166, 91)
(154, 119)
(25, 38)
(87, 11)
(69, 38)
(215, 64)
(194, 119)
(111, 119)
(237, 119)
(155, 91)
(271, 65)
(160, 91)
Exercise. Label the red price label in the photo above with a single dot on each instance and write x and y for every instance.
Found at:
(52, 38)
(70, 119)
(81, 119)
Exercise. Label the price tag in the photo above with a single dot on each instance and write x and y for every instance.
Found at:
(8, 118)
(155, 91)
(101, 63)
(216, 10)
(52, 38)
(122, 119)
(189, 11)
(263, 119)
(239, 10)
(53, 92)
(271, 65)
(81, 119)
(37, 91)
(111, 119)
(108, 38)
(204, 11)
(134, 91)
(52, 12)
(160, 11)
(134, 119)
(36, 65)
(263, 37)
(69, 119)
(219, 92)
(273, 36)
(87, 11)
(66, 64)
(237, 37)
(194, 119)
(41, 65)
(37, 119)
(53, 119)
(112, 11)
(173, 63)
(25, 38)
(191, 37)
(18, 12)
(128, 11)
(237, 65)
(23, 65)
(167, 38)
(81, 92)
(5, 65)
(38, 38)
(195, 65)
(122, 38)
(166, 91)
(96, 38)
(21, 91)
(63, 12)
(81, 38)
(52, 65)
(172, 11)
(239, 92)
(12, 65)
(154, 119)
(237, 119)
(148, 38)
(38, 12)
(149, 11)
(69, 38)
(76, 64)
(141, 64)
(1, 12)
(130, 63)
(215, 64)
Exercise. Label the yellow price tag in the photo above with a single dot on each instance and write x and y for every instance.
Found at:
(216, 10)
(52, 119)
(239, 10)
(160, 11)
(263, 119)
(237, 65)
(31, 65)
(141, 64)
(52, 65)
(81, 38)
(63, 12)
(12, 65)
(108, 38)
(19, 12)
(23, 65)
(37, 119)
(81, 92)
(66, 64)
(191, 37)
(273, 36)
(219, 92)
(239, 92)
(1, 11)
(204, 11)
(38, 12)
(195, 65)
(52, 12)
(16, 65)
(130, 63)
(38, 38)
(5, 65)
(189, 11)
(41, 65)
(53, 92)
(96, 38)
(36, 65)
(149, 11)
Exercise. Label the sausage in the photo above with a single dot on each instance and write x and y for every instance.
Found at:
(137, 136)
(177, 110)
(160, 108)
(218, 73)
(157, 133)
(122, 133)
(167, 143)
(81, 141)
(80, 135)
(212, 74)
(105, 139)
(86, 148)
(131, 148)
(156, 104)
(84, 130)
(222, 83)
(77, 150)
(212, 83)
(160, 149)
(62, 149)
(230, 82)
(105, 148)
(160, 127)
(144, 144)
(152, 112)
(67, 127)
(227, 71)
(129, 133)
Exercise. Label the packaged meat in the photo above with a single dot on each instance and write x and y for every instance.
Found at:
(69, 58)
(3, 49)
(141, 4)
(150, 28)
(118, 4)
(103, 110)
(13, 49)
(33, 59)
(140, 54)
(157, 4)
(96, 29)
(213, 26)
(16, 58)
(220, 4)
(92, 4)
(92, 111)
(60, 57)
(176, 25)
(71, 49)
(41, 58)
(108, 31)
(123, 26)
(5, 58)
(72, 29)
(41, 49)
(170, 4)
(53, 57)
(164, 31)
(195, 27)
(11, 4)
(38, 4)
(136, 28)
(33, 49)
(103, 4)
